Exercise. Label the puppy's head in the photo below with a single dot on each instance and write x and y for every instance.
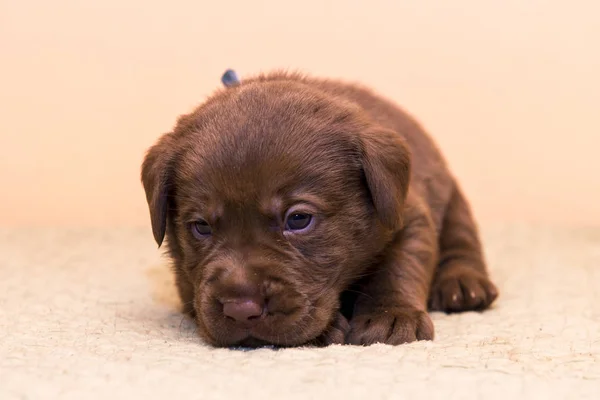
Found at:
(274, 197)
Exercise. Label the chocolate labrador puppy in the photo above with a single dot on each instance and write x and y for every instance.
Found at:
(304, 211)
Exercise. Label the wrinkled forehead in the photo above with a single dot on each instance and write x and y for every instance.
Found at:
(265, 150)
(251, 170)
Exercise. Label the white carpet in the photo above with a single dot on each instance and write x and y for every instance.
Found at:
(92, 315)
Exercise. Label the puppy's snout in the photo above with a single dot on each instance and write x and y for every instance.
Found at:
(244, 310)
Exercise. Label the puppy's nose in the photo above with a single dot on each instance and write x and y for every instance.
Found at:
(243, 310)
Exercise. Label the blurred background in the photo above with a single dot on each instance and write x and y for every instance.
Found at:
(509, 89)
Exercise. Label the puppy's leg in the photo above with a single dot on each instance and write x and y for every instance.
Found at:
(461, 282)
(334, 334)
(392, 305)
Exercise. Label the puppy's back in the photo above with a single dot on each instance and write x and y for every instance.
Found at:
(426, 157)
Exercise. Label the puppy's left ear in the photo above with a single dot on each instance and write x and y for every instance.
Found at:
(156, 178)
(387, 165)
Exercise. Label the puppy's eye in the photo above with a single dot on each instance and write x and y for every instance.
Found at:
(201, 228)
(298, 221)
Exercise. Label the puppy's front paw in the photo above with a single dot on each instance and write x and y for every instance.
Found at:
(335, 333)
(461, 288)
(391, 326)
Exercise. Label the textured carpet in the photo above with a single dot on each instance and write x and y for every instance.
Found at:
(93, 315)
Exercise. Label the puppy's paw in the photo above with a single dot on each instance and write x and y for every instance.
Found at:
(461, 288)
(390, 326)
(335, 333)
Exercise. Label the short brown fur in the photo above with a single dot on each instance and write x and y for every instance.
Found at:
(392, 235)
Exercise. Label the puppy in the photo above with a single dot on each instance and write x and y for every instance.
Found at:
(305, 211)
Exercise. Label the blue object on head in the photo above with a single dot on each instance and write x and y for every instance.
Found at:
(230, 78)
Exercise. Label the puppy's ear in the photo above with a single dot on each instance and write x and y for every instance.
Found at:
(156, 178)
(387, 164)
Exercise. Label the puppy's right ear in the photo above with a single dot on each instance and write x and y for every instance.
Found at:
(387, 166)
(157, 171)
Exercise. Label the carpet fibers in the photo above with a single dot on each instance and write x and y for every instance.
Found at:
(92, 314)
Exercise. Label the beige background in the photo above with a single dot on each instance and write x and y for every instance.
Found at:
(510, 89)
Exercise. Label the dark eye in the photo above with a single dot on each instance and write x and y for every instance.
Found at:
(297, 221)
(201, 228)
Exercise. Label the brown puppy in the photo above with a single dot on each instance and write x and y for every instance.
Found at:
(305, 211)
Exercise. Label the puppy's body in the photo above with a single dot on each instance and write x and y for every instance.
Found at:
(389, 233)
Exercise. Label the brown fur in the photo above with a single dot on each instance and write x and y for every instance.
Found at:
(392, 237)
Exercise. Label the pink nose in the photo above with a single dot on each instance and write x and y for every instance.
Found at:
(243, 310)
